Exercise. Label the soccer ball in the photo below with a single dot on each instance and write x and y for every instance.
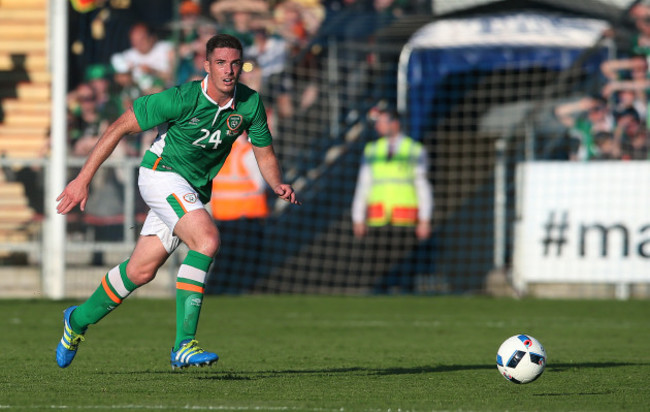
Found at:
(521, 359)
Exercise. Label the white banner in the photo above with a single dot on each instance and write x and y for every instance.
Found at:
(582, 222)
(510, 29)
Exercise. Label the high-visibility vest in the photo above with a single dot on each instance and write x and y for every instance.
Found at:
(84, 6)
(393, 198)
(236, 194)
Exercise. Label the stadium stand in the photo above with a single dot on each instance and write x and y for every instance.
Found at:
(24, 107)
(25, 80)
(482, 104)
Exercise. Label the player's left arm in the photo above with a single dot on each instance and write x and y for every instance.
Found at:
(267, 161)
(270, 169)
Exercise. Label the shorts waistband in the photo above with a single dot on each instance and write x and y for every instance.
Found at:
(150, 160)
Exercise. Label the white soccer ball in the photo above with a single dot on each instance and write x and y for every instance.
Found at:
(521, 359)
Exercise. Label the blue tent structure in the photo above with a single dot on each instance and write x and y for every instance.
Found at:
(488, 43)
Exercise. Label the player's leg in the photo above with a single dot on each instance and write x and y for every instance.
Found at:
(148, 255)
(177, 206)
(198, 231)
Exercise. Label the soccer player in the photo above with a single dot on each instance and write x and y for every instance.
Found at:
(197, 122)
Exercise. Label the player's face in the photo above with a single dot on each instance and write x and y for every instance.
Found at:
(223, 66)
(141, 40)
(384, 125)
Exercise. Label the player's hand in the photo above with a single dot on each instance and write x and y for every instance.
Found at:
(75, 193)
(423, 230)
(359, 229)
(286, 192)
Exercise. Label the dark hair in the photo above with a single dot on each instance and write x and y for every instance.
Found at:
(143, 26)
(629, 111)
(602, 136)
(599, 99)
(221, 41)
(391, 113)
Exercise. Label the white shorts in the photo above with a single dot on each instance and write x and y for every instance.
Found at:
(169, 197)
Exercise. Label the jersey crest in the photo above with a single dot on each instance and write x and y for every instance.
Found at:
(190, 197)
(234, 121)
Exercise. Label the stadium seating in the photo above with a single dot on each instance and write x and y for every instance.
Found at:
(24, 106)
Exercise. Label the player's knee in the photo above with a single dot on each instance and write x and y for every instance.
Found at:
(209, 244)
(141, 274)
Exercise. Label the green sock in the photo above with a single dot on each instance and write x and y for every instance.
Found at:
(115, 287)
(189, 295)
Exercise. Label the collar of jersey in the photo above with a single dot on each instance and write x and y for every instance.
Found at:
(204, 88)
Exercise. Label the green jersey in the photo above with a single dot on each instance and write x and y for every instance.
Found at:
(195, 134)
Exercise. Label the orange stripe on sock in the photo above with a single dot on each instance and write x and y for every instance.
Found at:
(109, 292)
(191, 288)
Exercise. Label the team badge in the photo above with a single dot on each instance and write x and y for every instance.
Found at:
(234, 121)
(190, 198)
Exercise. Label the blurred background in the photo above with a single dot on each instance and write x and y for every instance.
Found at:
(532, 116)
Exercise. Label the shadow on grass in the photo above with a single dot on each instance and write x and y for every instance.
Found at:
(343, 371)
(216, 374)
(574, 393)
(563, 367)
(250, 375)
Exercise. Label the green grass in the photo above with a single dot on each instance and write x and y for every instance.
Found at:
(304, 353)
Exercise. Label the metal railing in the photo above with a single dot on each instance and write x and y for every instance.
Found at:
(34, 245)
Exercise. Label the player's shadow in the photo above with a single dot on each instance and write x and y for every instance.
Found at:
(228, 375)
(416, 370)
(239, 375)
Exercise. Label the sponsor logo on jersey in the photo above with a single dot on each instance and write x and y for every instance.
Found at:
(234, 121)
(194, 121)
(190, 198)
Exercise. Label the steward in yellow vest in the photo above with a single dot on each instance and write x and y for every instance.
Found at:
(392, 187)
(392, 195)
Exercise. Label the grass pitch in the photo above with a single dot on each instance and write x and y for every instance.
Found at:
(306, 353)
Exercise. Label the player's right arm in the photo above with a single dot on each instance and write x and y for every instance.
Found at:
(76, 192)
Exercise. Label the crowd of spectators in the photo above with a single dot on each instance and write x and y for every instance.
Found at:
(285, 37)
(613, 124)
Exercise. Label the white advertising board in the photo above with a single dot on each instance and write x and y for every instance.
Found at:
(582, 222)
(512, 29)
